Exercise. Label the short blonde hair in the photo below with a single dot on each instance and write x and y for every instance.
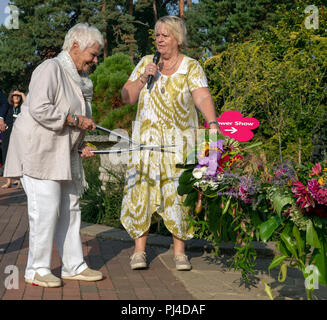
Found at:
(86, 36)
(176, 26)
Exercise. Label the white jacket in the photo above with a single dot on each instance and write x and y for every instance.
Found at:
(41, 146)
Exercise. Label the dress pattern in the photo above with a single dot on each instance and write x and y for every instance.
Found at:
(166, 115)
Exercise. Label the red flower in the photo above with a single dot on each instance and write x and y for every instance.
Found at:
(237, 157)
(303, 195)
(223, 160)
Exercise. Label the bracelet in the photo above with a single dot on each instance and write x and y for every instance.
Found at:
(75, 122)
(213, 122)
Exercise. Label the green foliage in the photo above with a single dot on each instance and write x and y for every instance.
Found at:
(279, 77)
(43, 25)
(213, 25)
(120, 118)
(42, 28)
(97, 205)
(108, 80)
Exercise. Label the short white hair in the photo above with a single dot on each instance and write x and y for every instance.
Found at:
(177, 27)
(86, 36)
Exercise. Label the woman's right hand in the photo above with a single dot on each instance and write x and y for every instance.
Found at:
(150, 69)
(85, 123)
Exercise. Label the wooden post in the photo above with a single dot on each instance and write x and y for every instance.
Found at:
(105, 39)
(181, 8)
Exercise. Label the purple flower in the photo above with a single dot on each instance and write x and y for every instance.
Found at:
(284, 174)
(217, 145)
(248, 185)
(213, 162)
(203, 161)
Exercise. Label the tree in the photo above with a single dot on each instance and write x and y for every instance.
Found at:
(212, 24)
(125, 25)
(280, 78)
(42, 27)
(108, 80)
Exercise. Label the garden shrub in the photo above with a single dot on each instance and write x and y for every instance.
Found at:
(283, 88)
(108, 80)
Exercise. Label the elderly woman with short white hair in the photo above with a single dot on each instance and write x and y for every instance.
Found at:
(43, 151)
(166, 109)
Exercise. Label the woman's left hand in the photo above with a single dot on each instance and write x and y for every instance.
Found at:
(87, 152)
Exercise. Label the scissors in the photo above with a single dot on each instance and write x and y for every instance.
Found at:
(137, 147)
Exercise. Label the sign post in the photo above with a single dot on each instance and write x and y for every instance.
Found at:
(233, 125)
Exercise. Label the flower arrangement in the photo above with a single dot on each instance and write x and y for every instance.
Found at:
(221, 194)
(287, 205)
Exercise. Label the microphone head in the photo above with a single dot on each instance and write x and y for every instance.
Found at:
(156, 57)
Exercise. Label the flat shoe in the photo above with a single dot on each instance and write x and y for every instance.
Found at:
(182, 262)
(47, 281)
(87, 275)
(138, 260)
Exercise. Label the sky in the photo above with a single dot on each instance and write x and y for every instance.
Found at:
(3, 4)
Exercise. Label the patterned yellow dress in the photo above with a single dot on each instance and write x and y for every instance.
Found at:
(166, 114)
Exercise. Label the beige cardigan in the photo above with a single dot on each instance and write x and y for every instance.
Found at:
(41, 146)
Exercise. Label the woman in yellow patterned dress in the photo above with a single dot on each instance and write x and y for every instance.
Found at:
(165, 112)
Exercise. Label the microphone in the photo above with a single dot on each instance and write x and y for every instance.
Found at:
(156, 59)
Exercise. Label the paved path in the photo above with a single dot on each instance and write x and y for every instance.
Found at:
(109, 256)
(108, 250)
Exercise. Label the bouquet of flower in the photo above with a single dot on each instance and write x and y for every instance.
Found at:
(283, 204)
(215, 171)
(220, 193)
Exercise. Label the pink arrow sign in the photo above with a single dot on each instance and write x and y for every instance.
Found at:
(233, 125)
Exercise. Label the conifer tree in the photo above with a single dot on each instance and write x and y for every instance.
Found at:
(212, 24)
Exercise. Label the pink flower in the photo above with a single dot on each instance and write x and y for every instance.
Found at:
(316, 170)
(244, 195)
(303, 195)
(319, 194)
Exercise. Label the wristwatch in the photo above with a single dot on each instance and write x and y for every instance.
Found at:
(75, 122)
(213, 122)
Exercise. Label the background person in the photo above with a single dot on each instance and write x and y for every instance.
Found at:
(43, 150)
(4, 106)
(15, 100)
(151, 186)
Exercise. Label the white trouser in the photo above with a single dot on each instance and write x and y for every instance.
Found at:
(54, 213)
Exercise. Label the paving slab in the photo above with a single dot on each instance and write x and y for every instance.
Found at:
(108, 249)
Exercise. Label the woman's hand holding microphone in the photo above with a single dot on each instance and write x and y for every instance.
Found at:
(150, 70)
